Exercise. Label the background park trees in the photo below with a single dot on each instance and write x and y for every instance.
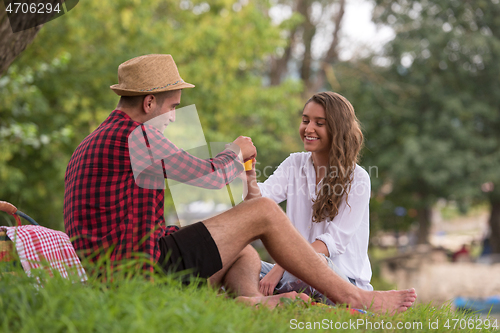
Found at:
(443, 70)
(57, 91)
(309, 22)
(428, 104)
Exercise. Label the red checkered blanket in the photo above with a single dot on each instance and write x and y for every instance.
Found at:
(38, 247)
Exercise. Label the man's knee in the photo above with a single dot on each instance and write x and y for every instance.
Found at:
(249, 250)
(250, 254)
(265, 207)
(264, 213)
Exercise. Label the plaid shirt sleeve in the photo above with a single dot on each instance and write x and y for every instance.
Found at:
(154, 158)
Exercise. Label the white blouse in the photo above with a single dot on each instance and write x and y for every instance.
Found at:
(346, 236)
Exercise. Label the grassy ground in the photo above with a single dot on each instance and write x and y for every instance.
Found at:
(138, 305)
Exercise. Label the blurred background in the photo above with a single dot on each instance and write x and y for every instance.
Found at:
(423, 76)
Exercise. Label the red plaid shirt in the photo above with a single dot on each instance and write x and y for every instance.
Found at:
(105, 208)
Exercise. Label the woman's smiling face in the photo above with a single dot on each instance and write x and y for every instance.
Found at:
(313, 130)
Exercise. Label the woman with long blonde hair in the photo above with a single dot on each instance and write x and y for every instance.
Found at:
(327, 193)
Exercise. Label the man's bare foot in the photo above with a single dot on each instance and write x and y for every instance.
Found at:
(392, 301)
(271, 301)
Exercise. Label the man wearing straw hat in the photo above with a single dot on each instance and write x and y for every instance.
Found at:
(106, 208)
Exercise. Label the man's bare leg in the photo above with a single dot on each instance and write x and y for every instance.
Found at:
(241, 277)
(261, 218)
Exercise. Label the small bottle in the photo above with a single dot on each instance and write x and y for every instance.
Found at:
(248, 165)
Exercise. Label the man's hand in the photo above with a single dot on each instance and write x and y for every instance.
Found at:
(270, 281)
(248, 150)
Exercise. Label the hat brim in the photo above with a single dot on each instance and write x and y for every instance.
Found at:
(129, 92)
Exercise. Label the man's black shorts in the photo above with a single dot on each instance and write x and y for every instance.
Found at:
(190, 249)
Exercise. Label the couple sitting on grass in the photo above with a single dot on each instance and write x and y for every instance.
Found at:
(321, 246)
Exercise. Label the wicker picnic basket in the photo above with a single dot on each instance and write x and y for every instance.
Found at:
(6, 246)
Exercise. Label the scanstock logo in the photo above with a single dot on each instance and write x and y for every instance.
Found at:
(26, 14)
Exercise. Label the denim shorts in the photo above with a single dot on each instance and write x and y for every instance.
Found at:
(289, 282)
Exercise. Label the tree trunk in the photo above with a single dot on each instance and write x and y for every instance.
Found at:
(494, 223)
(424, 222)
(308, 32)
(332, 54)
(279, 66)
(26, 27)
(304, 34)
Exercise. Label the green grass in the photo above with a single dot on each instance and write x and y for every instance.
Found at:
(139, 305)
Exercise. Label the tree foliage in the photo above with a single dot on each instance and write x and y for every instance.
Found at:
(428, 104)
(58, 90)
(309, 22)
(434, 106)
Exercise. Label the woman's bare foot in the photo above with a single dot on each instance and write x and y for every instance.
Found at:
(271, 301)
(392, 301)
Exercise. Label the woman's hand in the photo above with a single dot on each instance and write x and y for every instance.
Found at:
(270, 281)
(250, 188)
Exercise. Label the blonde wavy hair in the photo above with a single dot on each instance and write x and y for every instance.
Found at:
(346, 142)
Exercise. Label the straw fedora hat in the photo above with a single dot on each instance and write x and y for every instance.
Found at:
(148, 74)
